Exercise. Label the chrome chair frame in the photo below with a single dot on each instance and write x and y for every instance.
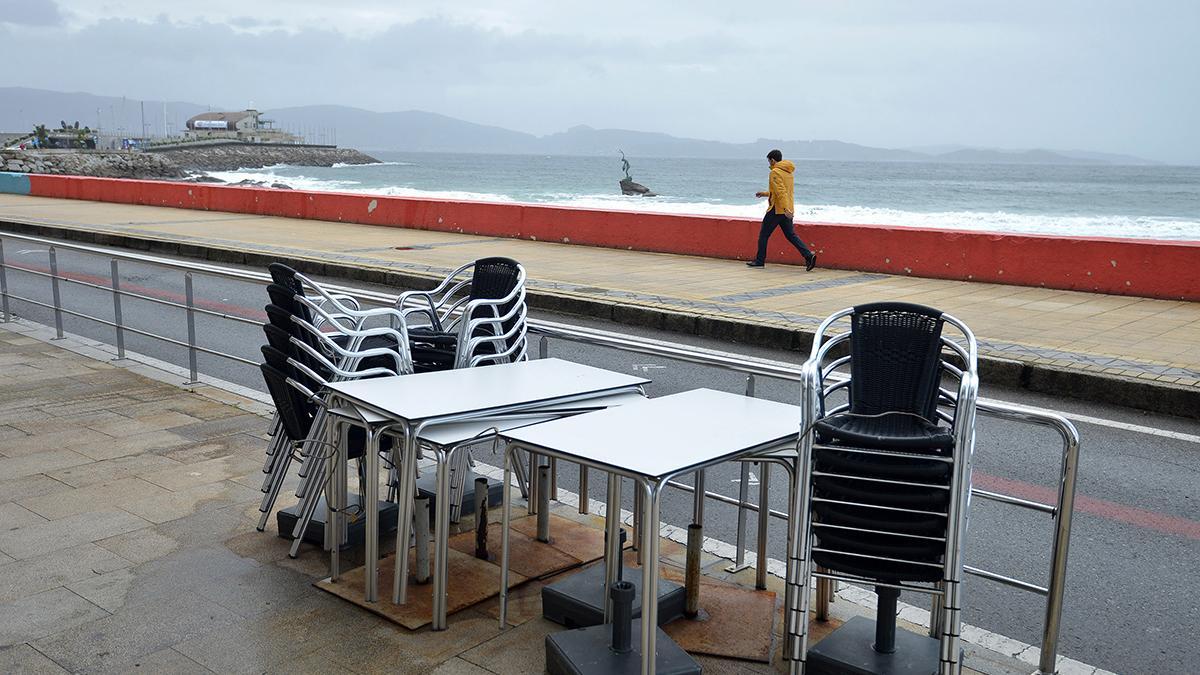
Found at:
(956, 408)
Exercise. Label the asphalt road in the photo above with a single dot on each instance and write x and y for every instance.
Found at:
(1132, 597)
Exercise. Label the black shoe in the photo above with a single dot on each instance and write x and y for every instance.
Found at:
(754, 264)
(810, 263)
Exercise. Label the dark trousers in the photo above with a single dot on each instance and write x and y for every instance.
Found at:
(771, 221)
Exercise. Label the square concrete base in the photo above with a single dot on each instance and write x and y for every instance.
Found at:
(848, 651)
(427, 487)
(578, 600)
(286, 519)
(587, 651)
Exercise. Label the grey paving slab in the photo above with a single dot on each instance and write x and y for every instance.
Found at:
(136, 630)
(46, 613)
(37, 539)
(151, 441)
(266, 642)
(140, 546)
(162, 662)
(13, 515)
(167, 506)
(25, 660)
(111, 469)
(458, 666)
(21, 578)
(120, 425)
(188, 571)
(223, 426)
(215, 448)
(511, 652)
(16, 467)
(66, 439)
(107, 591)
(73, 501)
(207, 471)
(28, 486)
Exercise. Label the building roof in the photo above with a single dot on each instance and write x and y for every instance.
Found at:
(230, 118)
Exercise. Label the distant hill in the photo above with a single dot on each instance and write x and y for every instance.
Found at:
(420, 131)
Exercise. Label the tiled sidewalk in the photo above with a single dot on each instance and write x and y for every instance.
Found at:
(127, 543)
(1149, 340)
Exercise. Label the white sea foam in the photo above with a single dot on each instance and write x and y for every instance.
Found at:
(344, 165)
(1142, 227)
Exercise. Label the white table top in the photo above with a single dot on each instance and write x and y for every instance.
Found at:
(666, 435)
(446, 393)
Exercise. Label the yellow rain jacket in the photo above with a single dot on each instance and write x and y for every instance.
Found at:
(781, 198)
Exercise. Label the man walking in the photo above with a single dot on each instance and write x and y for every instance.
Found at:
(780, 209)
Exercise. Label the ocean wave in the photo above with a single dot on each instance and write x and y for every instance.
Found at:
(1119, 226)
(344, 165)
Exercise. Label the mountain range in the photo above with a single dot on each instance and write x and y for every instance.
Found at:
(420, 131)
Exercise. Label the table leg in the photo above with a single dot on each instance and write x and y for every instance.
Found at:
(333, 519)
(408, 484)
(612, 540)
(371, 505)
(650, 512)
(506, 515)
(441, 539)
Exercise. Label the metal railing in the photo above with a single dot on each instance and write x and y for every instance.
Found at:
(751, 367)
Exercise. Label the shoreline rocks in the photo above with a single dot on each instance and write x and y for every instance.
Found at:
(243, 156)
(175, 164)
(90, 163)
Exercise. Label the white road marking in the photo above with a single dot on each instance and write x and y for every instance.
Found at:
(752, 481)
(1114, 424)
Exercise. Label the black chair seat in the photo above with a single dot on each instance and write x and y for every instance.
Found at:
(886, 432)
(869, 543)
(879, 466)
(881, 494)
(879, 519)
(881, 570)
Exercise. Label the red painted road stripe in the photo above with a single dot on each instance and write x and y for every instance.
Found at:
(1150, 520)
(211, 305)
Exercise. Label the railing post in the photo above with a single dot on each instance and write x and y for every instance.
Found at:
(3, 286)
(58, 320)
(739, 561)
(1058, 551)
(191, 328)
(116, 290)
(543, 347)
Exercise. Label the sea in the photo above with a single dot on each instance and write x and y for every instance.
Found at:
(1143, 202)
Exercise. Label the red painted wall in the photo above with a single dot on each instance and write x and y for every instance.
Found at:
(1156, 269)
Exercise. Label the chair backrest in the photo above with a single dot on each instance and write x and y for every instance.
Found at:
(895, 364)
(289, 402)
(492, 279)
(285, 276)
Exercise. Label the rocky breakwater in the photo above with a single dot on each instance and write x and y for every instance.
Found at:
(90, 163)
(245, 156)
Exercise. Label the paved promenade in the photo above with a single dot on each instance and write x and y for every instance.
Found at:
(127, 544)
(1038, 338)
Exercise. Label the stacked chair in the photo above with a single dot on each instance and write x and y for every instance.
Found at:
(311, 342)
(475, 316)
(886, 482)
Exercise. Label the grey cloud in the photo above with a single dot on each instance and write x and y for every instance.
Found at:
(1096, 75)
(30, 12)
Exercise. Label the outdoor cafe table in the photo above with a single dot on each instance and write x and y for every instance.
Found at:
(652, 442)
(412, 404)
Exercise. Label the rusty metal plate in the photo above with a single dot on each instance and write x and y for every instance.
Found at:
(734, 622)
(471, 581)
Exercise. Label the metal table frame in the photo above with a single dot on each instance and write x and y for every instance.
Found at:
(650, 488)
(404, 457)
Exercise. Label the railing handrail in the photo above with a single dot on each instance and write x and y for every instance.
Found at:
(749, 365)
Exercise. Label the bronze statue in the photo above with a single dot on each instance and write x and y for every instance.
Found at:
(628, 187)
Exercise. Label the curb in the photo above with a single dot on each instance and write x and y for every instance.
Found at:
(1153, 396)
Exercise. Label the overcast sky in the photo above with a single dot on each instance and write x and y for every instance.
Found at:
(1116, 76)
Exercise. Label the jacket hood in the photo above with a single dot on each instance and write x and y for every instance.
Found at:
(785, 165)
